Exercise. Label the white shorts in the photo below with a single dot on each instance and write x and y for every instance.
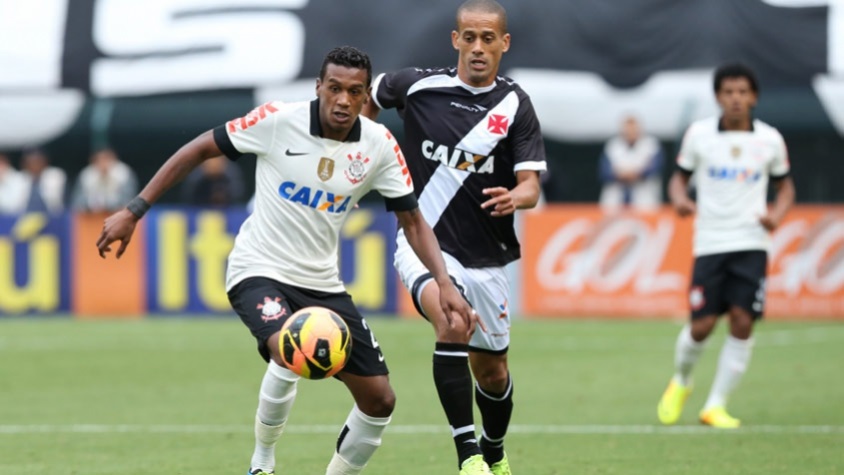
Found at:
(486, 289)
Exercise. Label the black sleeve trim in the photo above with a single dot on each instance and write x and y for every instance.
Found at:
(776, 178)
(684, 171)
(224, 143)
(402, 203)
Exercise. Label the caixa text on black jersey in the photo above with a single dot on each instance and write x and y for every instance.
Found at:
(459, 159)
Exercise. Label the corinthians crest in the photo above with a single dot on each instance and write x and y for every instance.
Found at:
(325, 169)
(356, 171)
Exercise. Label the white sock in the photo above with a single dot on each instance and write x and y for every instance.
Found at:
(732, 364)
(278, 391)
(686, 353)
(357, 442)
(339, 466)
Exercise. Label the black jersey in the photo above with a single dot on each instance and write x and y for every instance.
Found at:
(459, 140)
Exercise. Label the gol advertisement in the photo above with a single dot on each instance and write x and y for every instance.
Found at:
(578, 261)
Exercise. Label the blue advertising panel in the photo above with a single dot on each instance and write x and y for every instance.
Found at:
(187, 250)
(367, 246)
(34, 264)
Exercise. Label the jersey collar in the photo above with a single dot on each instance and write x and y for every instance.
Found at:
(474, 90)
(316, 126)
(722, 129)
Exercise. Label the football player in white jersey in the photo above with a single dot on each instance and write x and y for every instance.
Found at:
(733, 158)
(475, 151)
(315, 161)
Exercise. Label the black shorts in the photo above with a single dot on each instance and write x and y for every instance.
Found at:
(249, 298)
(731, 278)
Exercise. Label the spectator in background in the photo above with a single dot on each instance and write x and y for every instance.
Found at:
(217, 182)
(44, 186)
(11, 187)
(631, 169)
(107, 184)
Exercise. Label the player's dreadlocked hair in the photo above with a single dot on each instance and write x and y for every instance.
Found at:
(350, 57)
(483, 6)
(735, 70)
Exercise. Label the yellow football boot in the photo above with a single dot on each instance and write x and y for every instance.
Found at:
(502, 467)
(717, 417)
(671, 404)
(475, 465)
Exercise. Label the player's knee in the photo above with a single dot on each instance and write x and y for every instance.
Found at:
(273, 348)
(493, 379)
(379, 404)
(702, 327)
(741, 326)
(456, 333)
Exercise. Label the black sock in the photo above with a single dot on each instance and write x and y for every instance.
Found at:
(496, 409)
(454, 386)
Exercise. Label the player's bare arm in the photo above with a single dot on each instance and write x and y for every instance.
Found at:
(424, 243)
(784, 199)
(524, 195)
(120, 225)
(678, 193)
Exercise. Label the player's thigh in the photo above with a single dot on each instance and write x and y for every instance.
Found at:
(424, 292)
(707, 289)
(488, 290)
(745, 286)
(262, 305)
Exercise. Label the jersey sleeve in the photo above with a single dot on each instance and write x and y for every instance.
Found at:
(392, 179)
(389, 90)
(780, 166)
(528, 146)
(686, 159)
(252, 133)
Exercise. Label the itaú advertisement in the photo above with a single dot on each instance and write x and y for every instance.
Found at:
(34, 269)
(175, 264)
(579, 261)
(187, 252)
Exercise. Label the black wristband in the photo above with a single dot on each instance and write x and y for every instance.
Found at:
(138, 206)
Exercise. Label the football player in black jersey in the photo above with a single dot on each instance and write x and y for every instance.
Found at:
(474, 149)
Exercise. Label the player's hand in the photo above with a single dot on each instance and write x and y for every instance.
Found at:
(117, 227)
(501, 202)
(455, 306)
(770, 222)
(685, 208)
(627, 177)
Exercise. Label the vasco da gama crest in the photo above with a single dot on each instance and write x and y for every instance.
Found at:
(357, 168)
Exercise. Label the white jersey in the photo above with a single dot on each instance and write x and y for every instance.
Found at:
(305, 187)
(732, 169)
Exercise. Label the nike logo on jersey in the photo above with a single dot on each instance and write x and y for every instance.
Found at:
(294, 154)
(457, 158)
(317, 199)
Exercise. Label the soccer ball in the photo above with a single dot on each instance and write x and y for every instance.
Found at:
(315, 343)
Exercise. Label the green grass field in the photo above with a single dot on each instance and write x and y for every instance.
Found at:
(177, 396)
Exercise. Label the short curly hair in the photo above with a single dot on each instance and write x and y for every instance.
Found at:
(735, 70)
(350, 57)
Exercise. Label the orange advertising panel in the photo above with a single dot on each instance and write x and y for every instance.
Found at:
(106, 287)
(581, 262)
(806, 270)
